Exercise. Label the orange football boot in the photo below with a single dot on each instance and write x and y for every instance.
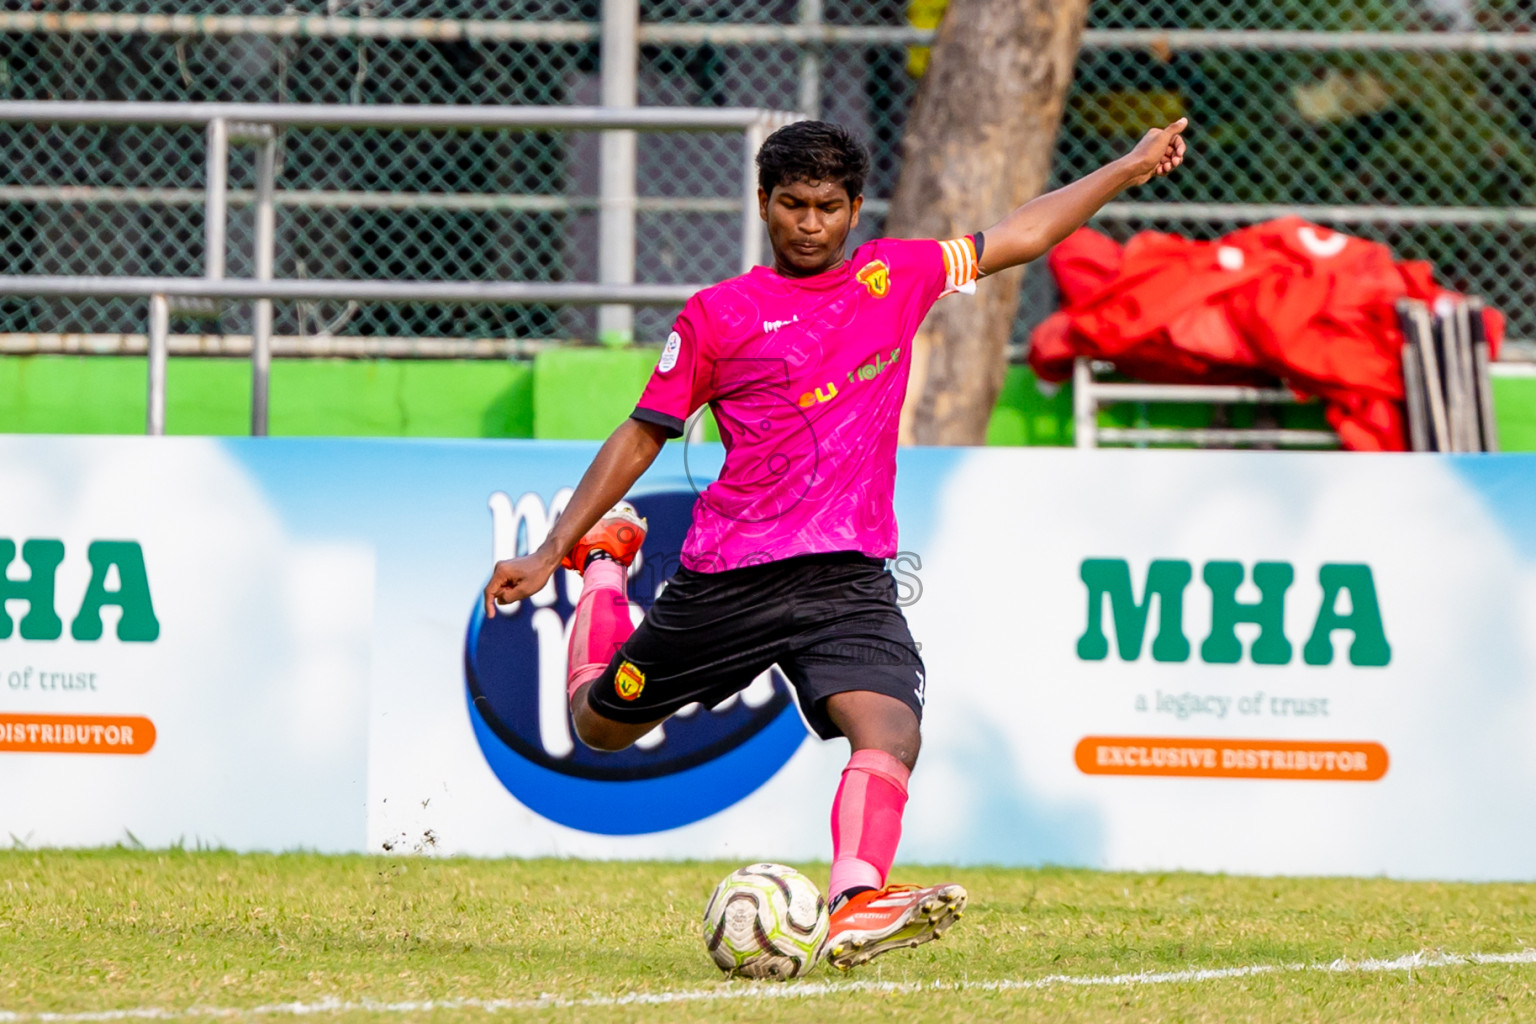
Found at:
(619, 533)
(878, 920)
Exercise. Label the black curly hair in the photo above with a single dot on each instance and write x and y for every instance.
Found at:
(812, 151)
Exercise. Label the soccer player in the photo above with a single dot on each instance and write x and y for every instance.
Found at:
(805, 366)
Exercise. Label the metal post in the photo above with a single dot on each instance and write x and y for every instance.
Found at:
(159, 347)
(215, 208)
(752, 227)
(620, 55)
(500, 293)
(810, 60)
(261, 325)
(1084, 408)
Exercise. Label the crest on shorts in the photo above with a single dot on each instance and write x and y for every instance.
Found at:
(629, 681)
(875, 276)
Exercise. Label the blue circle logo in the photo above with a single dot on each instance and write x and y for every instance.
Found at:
(697, 763)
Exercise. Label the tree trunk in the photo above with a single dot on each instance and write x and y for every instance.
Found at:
(978, 143)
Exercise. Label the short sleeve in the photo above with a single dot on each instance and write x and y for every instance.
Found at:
(676, 386)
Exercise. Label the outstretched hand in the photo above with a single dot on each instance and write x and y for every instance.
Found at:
(514, 579)
(1158, 152)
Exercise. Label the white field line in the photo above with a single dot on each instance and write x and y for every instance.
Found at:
(735, 991)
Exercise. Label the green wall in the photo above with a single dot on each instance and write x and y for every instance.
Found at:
(563, 393)
(586, 392)
(1514, 402)
(319, 397)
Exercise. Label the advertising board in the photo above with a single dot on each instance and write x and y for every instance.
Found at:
(1263, 663)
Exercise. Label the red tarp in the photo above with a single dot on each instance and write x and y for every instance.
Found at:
(1284, 300)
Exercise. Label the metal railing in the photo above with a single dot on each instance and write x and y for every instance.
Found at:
(621, 34)
(1089, 394)
(1449, 205)
(1423, 220)
(230, 124)
(160, 292)
(807, 32)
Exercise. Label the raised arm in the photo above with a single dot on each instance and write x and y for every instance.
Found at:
(628, 452)
(1029, 231)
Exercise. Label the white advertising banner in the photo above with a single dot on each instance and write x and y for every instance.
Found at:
(1265, 663)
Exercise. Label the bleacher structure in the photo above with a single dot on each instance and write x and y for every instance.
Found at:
(1091, 394)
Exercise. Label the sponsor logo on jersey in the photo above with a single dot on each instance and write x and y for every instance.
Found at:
(876, 277)
(629, 681)
(669, 352)
(875, 366)
(811, 398)
(769, 326)
(697, 763)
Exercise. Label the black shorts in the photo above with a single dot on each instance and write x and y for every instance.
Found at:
(830, 622)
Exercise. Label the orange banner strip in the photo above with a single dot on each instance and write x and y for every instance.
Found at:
(1334, 760)
(75, 734)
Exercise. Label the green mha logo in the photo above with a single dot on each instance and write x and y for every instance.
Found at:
(42, 622)
(1110, 579)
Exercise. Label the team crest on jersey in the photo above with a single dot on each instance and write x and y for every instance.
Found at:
(629, 681)
(875, 276)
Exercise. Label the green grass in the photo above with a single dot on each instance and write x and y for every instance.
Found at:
(119, 929)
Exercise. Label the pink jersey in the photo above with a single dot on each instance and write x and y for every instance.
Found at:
(806, 378)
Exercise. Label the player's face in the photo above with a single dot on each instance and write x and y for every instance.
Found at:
(808, 223)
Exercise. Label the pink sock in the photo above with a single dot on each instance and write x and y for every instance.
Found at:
(602, 623)
(866, 820)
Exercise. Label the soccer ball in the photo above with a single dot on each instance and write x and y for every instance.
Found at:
(765, 921)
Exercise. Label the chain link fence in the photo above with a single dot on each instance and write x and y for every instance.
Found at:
(1408, 121)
